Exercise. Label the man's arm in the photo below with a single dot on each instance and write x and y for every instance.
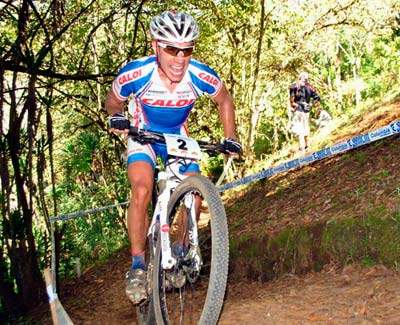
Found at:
(316, 101)
(226, 108)
(293, 104)
(112, 104)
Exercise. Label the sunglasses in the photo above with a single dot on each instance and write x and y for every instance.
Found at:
(174, 51)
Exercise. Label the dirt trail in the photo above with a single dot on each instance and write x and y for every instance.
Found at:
(353, 295)
(350, 296)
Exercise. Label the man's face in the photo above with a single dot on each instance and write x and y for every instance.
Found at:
(303, 78)
(173, 58)
(302, 81)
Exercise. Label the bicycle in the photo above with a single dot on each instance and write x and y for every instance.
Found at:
(200, 273)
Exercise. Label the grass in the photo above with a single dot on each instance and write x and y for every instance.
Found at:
(360, 156)
(381, 175)
(359, 191)
(368, 241)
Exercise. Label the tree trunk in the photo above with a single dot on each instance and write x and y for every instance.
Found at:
(22, 250)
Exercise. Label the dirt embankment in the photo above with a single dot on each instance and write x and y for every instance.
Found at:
(344, 209)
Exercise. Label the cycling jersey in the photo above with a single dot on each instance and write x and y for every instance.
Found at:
(155, 107)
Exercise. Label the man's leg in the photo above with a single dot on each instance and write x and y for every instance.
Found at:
(141, 177)
(302, 142)
(140, 174)
(306, 129)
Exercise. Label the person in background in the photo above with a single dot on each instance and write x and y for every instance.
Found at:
(302, 98)
(164, 87)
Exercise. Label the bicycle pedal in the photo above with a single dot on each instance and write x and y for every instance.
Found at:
(167, 284)
(176, 279)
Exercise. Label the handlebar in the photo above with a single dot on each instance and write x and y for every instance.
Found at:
(148, 137)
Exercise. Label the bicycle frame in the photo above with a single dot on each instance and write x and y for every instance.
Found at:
(160, 215)
(182, 148)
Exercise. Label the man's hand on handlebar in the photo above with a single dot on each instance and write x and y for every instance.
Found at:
(232, 146)
(119, 124)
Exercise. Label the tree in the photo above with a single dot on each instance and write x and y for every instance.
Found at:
(35, 66)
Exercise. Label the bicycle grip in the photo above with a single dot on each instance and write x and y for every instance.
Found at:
(133, 131)
(119, 124)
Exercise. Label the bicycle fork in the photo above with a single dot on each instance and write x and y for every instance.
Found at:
(194, 255)
(160, 220)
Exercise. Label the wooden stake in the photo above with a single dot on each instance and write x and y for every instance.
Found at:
(58, 313)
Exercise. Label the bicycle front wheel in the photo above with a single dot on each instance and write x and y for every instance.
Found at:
(193, 291)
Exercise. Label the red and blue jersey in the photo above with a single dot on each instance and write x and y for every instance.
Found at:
(158, 108)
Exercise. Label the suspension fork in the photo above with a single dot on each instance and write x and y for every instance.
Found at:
(160, 221)
(190, 205)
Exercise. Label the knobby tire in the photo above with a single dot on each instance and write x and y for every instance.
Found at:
(218, 269)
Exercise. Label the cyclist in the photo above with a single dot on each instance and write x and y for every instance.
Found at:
(302, 97)
(164, 87)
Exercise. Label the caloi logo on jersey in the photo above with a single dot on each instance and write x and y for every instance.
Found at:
(168, 102)
(208, 78)
(131, 75)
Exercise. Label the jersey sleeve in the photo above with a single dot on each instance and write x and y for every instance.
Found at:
(314, 95)
(292, 90)
(204, 79)
(132, 77)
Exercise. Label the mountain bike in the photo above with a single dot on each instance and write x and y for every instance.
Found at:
(188, 287)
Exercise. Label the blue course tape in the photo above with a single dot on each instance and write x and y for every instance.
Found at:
(78, 214)
(359, 140)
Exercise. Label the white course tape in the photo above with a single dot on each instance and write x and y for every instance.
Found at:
(52, 295)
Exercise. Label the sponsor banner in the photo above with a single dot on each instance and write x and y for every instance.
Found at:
(279, 169)
(380, 133)
(357, 141)
(292, 164)
(306, 160)
(321, 154)
(395, 126)
(340, 147)
(267, 172)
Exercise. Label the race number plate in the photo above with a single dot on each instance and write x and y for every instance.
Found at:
(181, 146)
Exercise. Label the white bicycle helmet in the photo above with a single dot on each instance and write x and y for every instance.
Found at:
(175, 27)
